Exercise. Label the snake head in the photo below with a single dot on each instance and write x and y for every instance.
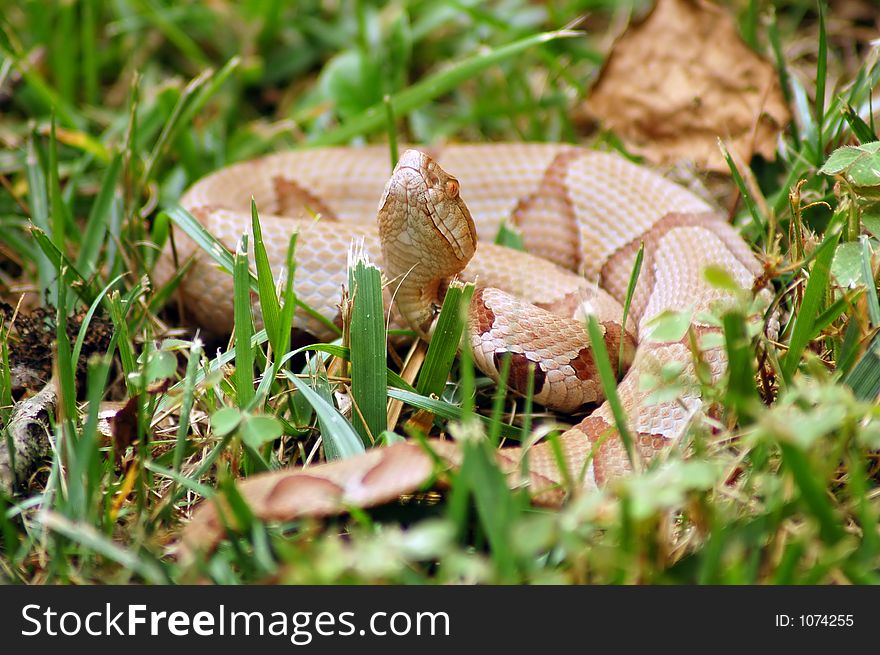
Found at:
(422, 203)
(427, 234)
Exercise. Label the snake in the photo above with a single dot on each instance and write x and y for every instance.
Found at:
(583, 217)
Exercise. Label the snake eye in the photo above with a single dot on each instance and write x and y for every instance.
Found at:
(452, 188)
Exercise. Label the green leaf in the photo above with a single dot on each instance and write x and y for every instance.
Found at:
(720, 278)
(510, 236)
(846, 267)
(225, 420)
(161, 365)
(670, 326)
(865, 172)
(859, 164)
(667, 486)
(871, 218)
(352, 81)
(841, 159)
(259, 430)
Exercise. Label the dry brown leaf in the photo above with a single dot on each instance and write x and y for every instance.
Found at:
(379, 476)
(681, 78)
(124, 428)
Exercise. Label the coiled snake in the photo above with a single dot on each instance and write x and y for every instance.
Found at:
(582, 215)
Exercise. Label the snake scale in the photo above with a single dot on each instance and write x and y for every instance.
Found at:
(582, 215)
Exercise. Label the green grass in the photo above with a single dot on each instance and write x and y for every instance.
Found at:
(120, 106)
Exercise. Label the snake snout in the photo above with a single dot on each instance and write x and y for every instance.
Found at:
(412, 159)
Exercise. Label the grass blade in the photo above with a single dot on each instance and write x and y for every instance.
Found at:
(812, 492)
(99, 218)
(609, 385)
(338, 432)
(864, 377)
(39, 206)
(864, 133)
(85, 535)
(123, 339)
(87, 319)
(221, 255)
(89, 52)
(630, 290)
(445, 339)
(269, 306)
(444, 410)
(57, 208)
(59, 260)
(433, 86)
(814, 293)
(64, 362)
(741, 390)
(493, 498)
(868, 277)
(186, 404)
(244, 353)
(741, 186)
(821, 74)
(368, 378)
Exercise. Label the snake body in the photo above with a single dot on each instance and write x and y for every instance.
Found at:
(582, 215)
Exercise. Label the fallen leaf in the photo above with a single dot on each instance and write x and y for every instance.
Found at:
(124, 427)
(682, 77)
(379, 475)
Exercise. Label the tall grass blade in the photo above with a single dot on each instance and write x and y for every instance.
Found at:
(186, 403)
(431, 87)
(269, 305)
(609, 385)
(814, 293)
(864, 377)
(741, 390)
(38, 201)
(99, 219)
(445, 339)
(221, 255)
(244, 353)
(821, 76)
(741, 186)
(627, 303)
(868, 277)
(368, 378)
(337, 431)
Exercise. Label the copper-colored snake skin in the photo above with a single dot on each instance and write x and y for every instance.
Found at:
(582, 215)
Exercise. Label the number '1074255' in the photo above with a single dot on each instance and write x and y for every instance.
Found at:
(815, 620)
